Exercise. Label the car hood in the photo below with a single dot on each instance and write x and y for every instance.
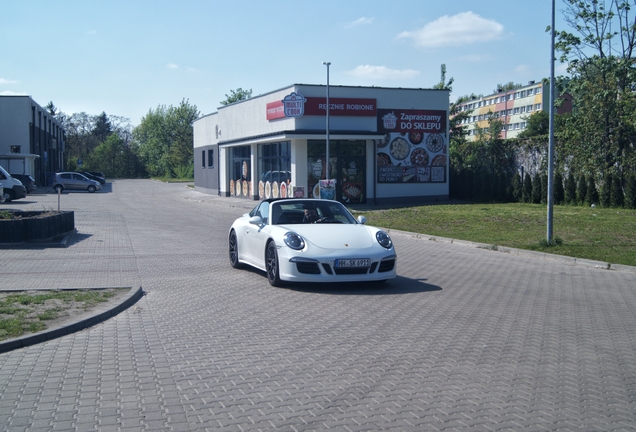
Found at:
(335, 236)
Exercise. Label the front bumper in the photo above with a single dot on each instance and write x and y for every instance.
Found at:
(305, 269)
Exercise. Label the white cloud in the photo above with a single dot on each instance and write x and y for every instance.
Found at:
(91, 32)
(475, 58)
(522, 69)
(12, 93)
(382, 73)
(462, 29)
(4, 81)
(360, 21)
(172, 66)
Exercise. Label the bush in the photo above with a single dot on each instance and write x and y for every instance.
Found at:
(559, 192)
(536, 189)
(591, 197)
(605, 191)
(516, 188)
(630, 197)
(527, 189)
(617, 198)
(570, 189)
(581, 190)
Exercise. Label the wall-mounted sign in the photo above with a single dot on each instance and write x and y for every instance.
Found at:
(294, 105)
(406, 121)
(341, 107)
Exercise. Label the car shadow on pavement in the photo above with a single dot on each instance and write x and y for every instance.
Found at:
(399, 285)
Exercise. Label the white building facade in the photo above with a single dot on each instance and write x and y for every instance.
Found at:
(31, 140)
(386, 145)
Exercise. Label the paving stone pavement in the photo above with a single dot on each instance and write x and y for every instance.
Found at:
(463, 339)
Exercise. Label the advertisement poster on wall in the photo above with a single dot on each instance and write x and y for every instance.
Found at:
(414, 148)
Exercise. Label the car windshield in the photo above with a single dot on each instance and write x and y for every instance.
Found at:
(287, 212)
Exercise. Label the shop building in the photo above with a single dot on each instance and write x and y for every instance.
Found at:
(386, 145)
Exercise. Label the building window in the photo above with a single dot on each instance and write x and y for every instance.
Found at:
(211, 158)
(537, 107)
(523, 109)
(516, 111)
(274, 162)
(15, 149)
(537, 90)
(203, 159)
(529, 108)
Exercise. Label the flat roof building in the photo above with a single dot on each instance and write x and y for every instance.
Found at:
(385, 145)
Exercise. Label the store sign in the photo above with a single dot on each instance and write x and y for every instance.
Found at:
(340, 107)
(414, 148)
(294, 105)
(406, 121)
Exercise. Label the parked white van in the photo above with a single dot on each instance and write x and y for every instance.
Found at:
(13, 188)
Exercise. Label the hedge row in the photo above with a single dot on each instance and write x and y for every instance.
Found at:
(572, 190)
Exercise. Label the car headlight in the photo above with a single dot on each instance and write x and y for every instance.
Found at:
(384, 239)
(294, 241)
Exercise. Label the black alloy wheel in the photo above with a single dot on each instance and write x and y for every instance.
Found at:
(234, 252)
(271, 265)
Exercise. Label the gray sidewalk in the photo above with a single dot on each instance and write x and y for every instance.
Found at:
(464, 339)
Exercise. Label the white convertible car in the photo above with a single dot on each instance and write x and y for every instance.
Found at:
(310, 240)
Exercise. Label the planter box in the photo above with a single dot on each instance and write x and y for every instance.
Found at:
(36, 226)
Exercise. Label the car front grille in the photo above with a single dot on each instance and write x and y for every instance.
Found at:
(386, 266)
(308, 267)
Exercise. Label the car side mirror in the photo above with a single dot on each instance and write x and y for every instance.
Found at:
(362, 220)
(256, 220)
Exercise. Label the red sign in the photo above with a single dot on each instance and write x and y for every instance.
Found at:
(337, 107)
(404, 121)
(275, 110)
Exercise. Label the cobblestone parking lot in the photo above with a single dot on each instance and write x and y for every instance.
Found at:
(463, 339)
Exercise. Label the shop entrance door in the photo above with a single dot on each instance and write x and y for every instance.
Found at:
(347, 166)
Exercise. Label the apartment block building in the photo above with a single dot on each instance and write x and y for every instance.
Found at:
(513, 107)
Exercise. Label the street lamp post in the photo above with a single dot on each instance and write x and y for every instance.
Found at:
(327, 125)
(551, 139)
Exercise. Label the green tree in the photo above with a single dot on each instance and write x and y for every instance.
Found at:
(630, 197)
(538, 124)
(591, 196)
(527, 189)
(570, 189)
(606, 188)
(516, 188)
(617, 197)
(599, 133)
(559, 192)
(165, 139)
(236, 95)
(537, 190)
(581, 190)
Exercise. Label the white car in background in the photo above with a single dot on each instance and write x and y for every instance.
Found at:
(310, 240)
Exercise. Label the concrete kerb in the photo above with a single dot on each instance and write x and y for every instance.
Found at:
(521, 252)
(97, 317)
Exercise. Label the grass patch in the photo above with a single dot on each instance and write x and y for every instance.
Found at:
(602, 234)
(31, 311)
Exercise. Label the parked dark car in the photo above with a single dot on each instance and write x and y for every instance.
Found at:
(92, 176)
(27, 181)
(98, 174)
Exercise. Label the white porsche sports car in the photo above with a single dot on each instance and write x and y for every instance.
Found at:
(310, 240)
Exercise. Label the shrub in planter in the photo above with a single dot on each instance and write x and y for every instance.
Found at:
(33, 226)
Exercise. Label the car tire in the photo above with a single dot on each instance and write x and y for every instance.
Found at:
(8, 195)
(91, 189)
(271, 265)
(59, 188)
(234, 251)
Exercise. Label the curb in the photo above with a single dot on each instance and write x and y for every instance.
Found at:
(522, 252)
(100, 316)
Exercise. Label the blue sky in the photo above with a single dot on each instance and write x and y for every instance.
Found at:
(127, 57)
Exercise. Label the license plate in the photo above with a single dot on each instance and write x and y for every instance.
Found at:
(352, 262)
